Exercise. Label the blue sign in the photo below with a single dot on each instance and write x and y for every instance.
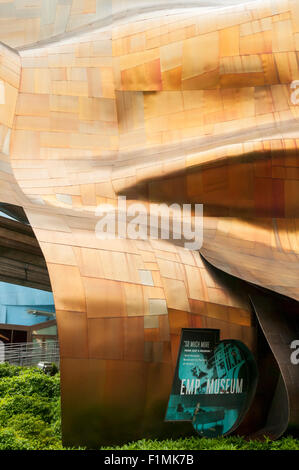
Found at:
(214, 382)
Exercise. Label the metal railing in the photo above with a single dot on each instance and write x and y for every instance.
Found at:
(30, 354)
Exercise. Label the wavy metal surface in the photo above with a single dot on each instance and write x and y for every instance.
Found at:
(278, 317)
(165, 104)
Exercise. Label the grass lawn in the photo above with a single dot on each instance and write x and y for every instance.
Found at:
(30, 419)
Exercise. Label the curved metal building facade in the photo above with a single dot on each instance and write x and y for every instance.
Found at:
(174, 103)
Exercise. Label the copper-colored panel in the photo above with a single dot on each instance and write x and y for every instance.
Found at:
(134, 338)
(68, 295)
(106, 338)
(72, 331)
(103, 298)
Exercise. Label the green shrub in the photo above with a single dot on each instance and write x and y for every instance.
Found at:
(9, 440)
(221, 443)
(29, 382)
(55, 418)
(34, 429)
(34, 404)
(29, 409)
(6, 370)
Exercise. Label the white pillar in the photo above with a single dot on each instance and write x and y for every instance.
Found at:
(2, 352)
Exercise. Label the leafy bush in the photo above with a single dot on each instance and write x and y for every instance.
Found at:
(6, 370)
(9, 440)
(18, 404)
(221, 443)
(28, 382)
(29, 409)
(33, 429)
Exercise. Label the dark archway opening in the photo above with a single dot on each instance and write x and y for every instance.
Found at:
(27, 313)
